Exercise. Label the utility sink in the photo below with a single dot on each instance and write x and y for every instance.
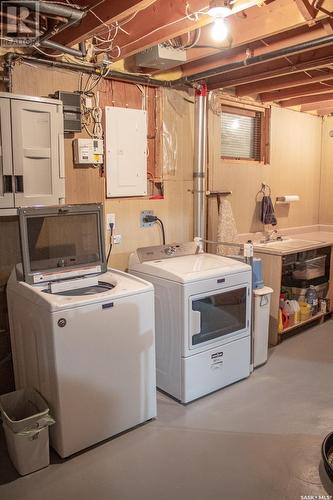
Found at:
(286, 244)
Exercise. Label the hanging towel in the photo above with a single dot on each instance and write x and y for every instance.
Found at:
(267, 211)
(226, 229)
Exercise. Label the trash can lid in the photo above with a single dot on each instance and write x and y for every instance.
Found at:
(266, 290)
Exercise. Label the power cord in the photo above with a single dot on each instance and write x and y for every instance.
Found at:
(153, 218)
(111, 225)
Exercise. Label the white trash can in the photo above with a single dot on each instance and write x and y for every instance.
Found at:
(262, 305)
(26, 418)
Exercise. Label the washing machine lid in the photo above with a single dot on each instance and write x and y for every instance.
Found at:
(117, 285)
(189, 268)
(61, 242)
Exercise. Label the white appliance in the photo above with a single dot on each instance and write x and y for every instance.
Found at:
(202, 318)
(87, 344)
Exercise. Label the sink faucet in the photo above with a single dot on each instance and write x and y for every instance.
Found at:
(269, 236)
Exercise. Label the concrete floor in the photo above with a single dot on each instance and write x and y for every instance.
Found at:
(258, 439)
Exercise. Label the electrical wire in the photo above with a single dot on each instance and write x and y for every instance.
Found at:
(111, 242)
(162, 228)
(46, 53)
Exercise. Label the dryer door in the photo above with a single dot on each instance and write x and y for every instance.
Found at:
(218, 316)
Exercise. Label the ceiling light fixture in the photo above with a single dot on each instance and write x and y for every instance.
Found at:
(219, 8)
(219, 30)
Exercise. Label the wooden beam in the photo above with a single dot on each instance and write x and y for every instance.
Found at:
(243, 34)
(320, 58)
(164, 20)
(284, 82)
(317, 105)
(108, 11)
(306, 9)
(325, 111)
(297, 101)
(258, 24)
(302, 90)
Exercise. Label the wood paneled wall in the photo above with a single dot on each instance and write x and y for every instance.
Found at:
(294, 169)
(85, 185)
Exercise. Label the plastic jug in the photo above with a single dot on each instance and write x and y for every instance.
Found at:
(305, 311)
(297, 310)
(311, 298)
(289, 312)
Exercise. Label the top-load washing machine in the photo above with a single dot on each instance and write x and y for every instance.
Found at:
(81, 335)
(203, 318)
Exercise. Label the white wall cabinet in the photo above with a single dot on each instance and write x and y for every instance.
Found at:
(31, 152)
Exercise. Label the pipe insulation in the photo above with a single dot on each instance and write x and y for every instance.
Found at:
(200, 162)
(11, 57)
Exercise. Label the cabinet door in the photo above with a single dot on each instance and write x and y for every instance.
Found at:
(37, 153)
(6, 166)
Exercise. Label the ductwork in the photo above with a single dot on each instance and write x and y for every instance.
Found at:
(70, 16)
(200, 162)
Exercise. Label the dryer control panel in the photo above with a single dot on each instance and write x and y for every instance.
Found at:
(166, 251)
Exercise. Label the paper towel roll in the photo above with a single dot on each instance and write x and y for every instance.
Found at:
(288, 198)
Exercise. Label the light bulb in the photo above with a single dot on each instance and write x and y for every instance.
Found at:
(219, 30)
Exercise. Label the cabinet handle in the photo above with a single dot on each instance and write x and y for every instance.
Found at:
(19, 184)
(7, 184)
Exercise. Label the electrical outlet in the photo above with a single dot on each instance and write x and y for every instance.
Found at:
(110, 219)
(117, 239)
(143, 215)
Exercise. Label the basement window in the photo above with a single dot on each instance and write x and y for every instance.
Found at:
(245, 134)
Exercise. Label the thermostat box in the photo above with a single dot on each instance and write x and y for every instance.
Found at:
(88, 151)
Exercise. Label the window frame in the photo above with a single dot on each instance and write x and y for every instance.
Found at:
(247, 109)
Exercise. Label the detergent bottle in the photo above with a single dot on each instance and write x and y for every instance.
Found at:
(289, 312)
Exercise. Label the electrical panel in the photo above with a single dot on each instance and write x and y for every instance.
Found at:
(72, 110)
(88, 151)
(125, 134)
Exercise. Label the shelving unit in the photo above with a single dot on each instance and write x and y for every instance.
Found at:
(272, 272)
(319, 316)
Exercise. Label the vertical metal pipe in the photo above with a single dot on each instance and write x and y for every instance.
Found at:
(200, 162)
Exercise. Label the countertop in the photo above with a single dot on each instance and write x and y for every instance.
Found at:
(322, 237)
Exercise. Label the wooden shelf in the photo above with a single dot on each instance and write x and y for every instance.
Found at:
(305, 322)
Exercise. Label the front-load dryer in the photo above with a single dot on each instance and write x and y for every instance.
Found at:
(202, 318)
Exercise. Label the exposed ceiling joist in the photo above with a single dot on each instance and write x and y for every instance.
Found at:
(167, 19)
(317, 105)
(108, 11)
(306, 9)
(258, 24)
(284, 18)
(284, 82)
(302, 90)
(233, 79)
(298, 101)
(324, 112)
(314, 59)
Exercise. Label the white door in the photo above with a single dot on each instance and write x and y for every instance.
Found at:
(37, 153)
(6, 165)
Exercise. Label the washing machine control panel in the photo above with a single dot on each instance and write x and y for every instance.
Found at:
(166, 251)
